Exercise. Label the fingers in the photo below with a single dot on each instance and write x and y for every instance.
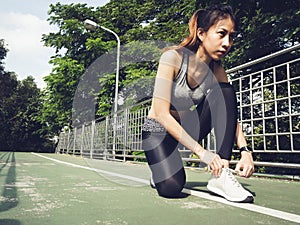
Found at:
(216, 166)
(247, 172)
(238, 169)
(244, 171)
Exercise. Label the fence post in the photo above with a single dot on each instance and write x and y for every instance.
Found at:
(106, 137)
(92, 138)
(82, 139)
(74, 146)
(126, 114)
(114, 135)
(64, 142)
(59, 139)
(68, 141)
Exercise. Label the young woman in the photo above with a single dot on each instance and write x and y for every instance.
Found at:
(191, 96)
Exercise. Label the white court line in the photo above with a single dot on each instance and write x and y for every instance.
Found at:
(251, 207)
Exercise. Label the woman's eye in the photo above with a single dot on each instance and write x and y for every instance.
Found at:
(222, 33)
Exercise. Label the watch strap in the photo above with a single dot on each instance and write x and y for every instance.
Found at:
(246, 148)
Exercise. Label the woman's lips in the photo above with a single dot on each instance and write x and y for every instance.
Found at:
(221, 53)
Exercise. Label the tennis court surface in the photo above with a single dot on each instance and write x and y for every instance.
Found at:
(62, 190)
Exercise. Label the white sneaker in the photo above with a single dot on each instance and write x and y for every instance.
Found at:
(228, 186)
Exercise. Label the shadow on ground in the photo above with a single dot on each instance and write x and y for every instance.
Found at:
(9, 222)
(8, 198)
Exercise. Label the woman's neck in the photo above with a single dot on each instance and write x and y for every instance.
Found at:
(203, 56)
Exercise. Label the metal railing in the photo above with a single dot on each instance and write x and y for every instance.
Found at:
(269, 112)
(269, 107)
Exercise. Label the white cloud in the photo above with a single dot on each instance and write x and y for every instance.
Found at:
(27, 55)
(22, 26)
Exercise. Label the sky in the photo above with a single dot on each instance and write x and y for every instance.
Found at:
(22, 24)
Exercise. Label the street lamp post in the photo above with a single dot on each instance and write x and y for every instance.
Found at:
(91, 25)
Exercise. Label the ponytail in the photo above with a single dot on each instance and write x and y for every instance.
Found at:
(192, 42)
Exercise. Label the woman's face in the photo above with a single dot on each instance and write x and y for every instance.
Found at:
(217, 41)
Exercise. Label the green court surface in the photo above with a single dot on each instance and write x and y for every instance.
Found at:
(62, 190)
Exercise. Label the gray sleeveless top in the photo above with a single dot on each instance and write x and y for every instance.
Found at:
(183, 97)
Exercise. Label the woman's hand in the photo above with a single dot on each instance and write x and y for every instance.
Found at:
(245, 167)
(216, 166)
(213, 160)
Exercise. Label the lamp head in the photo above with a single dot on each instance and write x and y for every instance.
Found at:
(90, 25)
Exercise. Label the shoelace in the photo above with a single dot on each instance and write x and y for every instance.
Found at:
(230, 173)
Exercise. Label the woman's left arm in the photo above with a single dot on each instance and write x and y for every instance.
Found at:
(245, 167)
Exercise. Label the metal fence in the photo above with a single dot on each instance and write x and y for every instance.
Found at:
(269, 112)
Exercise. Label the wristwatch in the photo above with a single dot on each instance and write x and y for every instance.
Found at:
(246, 148)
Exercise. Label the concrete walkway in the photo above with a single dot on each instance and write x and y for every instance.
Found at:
(61, 189)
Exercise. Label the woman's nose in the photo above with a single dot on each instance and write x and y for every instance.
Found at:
(227, 42)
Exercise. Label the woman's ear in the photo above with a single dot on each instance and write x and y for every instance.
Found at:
(201, 34)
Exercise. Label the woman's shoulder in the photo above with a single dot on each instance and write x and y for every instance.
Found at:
(219, 71)
(172, 53)
(171, 57)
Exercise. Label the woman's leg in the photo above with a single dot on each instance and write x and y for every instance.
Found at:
(223, 105)
(163, 157)
(218, 111)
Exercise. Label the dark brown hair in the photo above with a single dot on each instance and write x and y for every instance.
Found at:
(205, 18)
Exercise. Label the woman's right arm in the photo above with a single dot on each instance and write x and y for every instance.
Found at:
(168, 67)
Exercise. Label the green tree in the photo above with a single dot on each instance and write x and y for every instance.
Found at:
(59, 93)
(8, 83)
(68, 67)
(27, 130)
(264, 28)
(19, 108)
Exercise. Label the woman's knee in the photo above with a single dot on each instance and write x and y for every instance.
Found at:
(172, 186)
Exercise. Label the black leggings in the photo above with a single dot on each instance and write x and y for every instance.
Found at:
(218, 111)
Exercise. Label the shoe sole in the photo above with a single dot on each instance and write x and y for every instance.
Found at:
(152, 185)
(248, 199)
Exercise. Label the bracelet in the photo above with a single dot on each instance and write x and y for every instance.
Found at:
(246, 148)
